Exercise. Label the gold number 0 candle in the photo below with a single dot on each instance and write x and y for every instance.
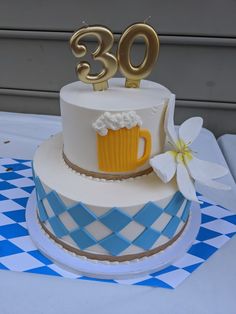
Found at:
(105, 41)
(133, 73)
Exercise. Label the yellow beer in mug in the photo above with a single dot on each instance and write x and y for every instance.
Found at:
(118, 149)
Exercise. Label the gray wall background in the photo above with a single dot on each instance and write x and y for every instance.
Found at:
(197, 59)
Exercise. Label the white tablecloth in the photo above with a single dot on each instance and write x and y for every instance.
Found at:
(211, 289)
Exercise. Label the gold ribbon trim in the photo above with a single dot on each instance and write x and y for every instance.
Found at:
(107, 176)
(110, 258)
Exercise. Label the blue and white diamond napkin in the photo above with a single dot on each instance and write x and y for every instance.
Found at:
(18, 252)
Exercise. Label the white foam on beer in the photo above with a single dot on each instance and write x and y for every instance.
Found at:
(116, 121)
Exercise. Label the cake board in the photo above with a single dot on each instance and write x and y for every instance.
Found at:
(111, 270)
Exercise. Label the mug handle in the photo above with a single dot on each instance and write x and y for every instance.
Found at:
(145, 134)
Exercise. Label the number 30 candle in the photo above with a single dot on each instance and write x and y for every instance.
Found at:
(105, 38)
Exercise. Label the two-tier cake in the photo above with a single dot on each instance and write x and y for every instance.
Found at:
(97, 195)
(107, 189)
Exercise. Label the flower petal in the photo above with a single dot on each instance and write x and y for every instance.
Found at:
(204, 171)
(185, 183)
(169, 121)
(190, 129)
(214, 184)
(201, 168)
(164, 166)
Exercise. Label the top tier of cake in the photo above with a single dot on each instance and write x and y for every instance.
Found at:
(113, 132)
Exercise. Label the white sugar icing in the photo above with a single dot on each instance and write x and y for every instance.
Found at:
(116, 121)
(80, 108)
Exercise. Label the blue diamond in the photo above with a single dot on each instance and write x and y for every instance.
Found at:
(114, 244)
(28, 189)
(148, 214)
(3, 267)
(9, 175)
(206, 234)
(3, 198)
(202, 250)
(207, 218)
(39, 256)
(81, 214)
(231, 219)
(42, 212)
(82, 238)
(56, 203)
(171, 227)
(115, 219)
(231, 234)
(4, 185)
(21, 201)
(147, 238)
(175, 204)
(154, 282)
(185, 214)
(45, 270)
(16, 215)
(191, 268)
(39, 188)
(57, 226)
(7, 248)
(13, 231)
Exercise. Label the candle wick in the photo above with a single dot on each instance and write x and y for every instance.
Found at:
(147, 19)
(85, 23)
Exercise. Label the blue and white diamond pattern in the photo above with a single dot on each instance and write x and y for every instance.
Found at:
(18, 252)
(52, 212)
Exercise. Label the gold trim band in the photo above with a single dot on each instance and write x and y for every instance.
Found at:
(110, 258)
(107, 176)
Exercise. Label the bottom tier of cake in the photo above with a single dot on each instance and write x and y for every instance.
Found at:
(105, 220)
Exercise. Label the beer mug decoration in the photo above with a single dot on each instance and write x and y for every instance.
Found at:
(118, 136)
(111, 63)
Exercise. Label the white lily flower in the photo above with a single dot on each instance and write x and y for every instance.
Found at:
(180, 160)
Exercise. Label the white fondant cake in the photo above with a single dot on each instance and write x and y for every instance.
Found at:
(81, 107)
(96, 195)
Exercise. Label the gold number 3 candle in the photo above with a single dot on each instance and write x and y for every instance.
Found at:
(105, 39)
(133, 73)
